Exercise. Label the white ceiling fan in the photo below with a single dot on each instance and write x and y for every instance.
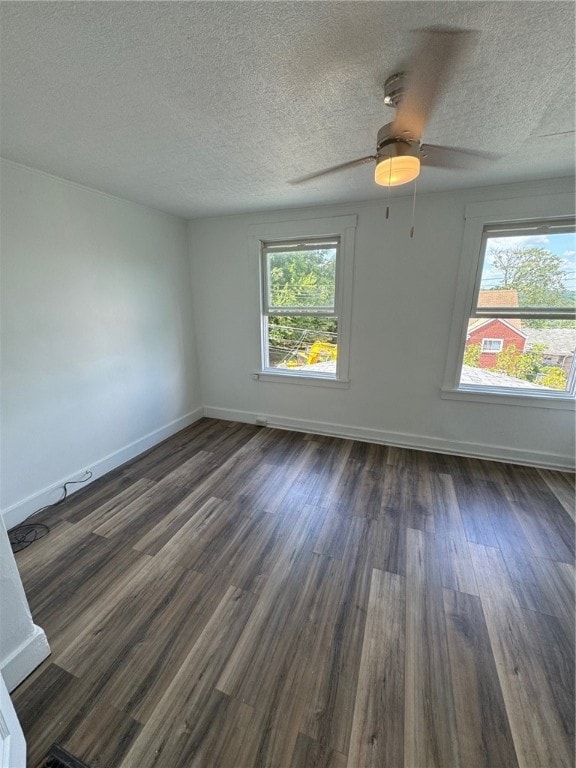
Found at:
(413, 93)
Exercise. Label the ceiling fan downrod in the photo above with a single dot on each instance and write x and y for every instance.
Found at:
(394, 89)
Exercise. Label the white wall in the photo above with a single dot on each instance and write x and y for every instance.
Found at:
(402, 312)
(98, 357)
(23, 645)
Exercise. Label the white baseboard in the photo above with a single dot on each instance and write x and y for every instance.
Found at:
(22, 509)
(24, 660)
(401, 439)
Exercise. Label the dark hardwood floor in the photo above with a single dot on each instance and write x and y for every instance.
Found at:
(242, 596)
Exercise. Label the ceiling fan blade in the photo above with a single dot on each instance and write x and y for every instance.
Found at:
(334, 169)
(550, 135)
(432, 64)
(437, 156)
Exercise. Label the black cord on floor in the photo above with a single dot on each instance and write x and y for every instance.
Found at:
(23, 535)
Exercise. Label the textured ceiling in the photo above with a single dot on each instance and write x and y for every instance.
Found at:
(201, 108)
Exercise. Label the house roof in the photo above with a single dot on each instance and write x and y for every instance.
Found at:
(208, 108)
(497, 298)
(471, 375)
(477, 322)
(558, 341)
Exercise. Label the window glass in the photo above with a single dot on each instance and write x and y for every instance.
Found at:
(305, 343)
(522, 334)
(529, 270)
(300, 307)
(303, 278)
(492, 345)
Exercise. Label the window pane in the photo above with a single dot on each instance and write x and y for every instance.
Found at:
(492, 345)
(302, 279)
(529, 271)
(306, 344)
(533, 354)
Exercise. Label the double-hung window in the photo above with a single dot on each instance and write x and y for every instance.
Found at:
(519, 331)
(300, 312)
(306, 285)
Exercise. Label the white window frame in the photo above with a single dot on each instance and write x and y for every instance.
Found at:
(492, 351)
(479, 217)
(344, 229)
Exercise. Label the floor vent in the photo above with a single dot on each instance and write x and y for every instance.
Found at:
(58, 757)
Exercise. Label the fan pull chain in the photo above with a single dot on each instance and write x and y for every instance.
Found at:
(388, 197)
(413, 208)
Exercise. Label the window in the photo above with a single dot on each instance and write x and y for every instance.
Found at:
(300, 315)
(306, 285)
(517, 334)
(492, 345)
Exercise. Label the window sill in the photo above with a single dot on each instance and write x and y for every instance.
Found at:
(561, 401)
(301, 378)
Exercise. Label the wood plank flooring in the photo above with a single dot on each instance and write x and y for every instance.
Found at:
(242, 597)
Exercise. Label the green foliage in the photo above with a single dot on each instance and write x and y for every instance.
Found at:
(548, 323)
(520, 365)
(291, 337)
(472, 355)
(553, 377)
(538, 276)
(302, 278)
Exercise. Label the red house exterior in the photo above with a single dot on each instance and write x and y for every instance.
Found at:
(493, 336)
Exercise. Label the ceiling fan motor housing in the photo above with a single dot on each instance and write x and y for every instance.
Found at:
(397, 158)
(389, 145)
